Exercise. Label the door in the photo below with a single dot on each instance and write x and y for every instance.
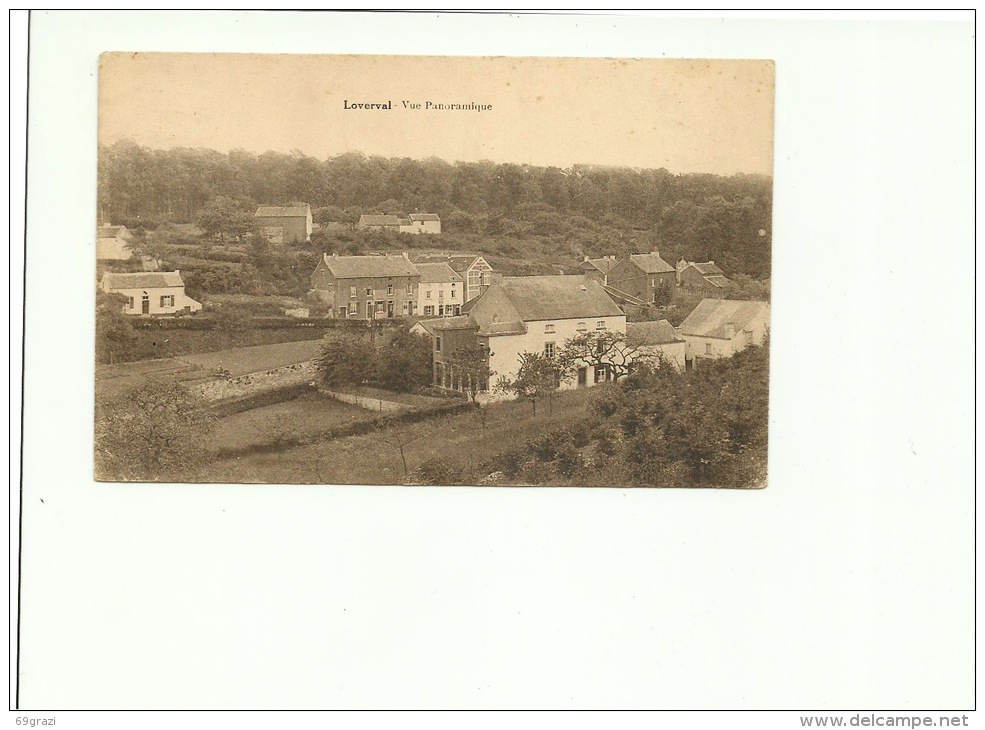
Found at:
(145, 305)
(582, 377)
(389, 309)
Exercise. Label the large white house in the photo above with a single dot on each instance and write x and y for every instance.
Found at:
(150, 292)
(522, 314)
(475, 271)
(722, 327)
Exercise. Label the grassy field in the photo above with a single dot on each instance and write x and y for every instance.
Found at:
(375, 458)
(243, 360)
(308, 414)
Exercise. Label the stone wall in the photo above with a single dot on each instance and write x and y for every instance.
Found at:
(254, 383)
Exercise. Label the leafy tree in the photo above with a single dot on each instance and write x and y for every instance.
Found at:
(404, 362)
(472, 364)
(226, 217)
(115, 339)
(539, 377)
(152, 432)
(602, 349)
(345, 358)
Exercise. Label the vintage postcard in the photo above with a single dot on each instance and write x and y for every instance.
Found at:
(404, 270)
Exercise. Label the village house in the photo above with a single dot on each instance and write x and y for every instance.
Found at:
(415, 223)
(701, 276)
(366, 287)
(285, 224)
(441, 292)
(658, 340)
(113, 243)
(422, 223)
(150, 292)
(598, 269)
(526, 314)
(475, 271)
(641, 274)
(722, 327)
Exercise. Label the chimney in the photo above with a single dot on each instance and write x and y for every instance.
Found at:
(586, 258)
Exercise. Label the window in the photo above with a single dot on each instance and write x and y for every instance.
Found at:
(354, 309)
(129, 302)
(427, 294)
(441, 294)
(410, 288)
(707, 348)
(452, 293)
(352, 292)
(167, 300)
(343, 313)
(429, 311)
(405, 308)
(600, 325)
(369, 291)
(441, 310)
(548, 349)
(389, 290)
(548, 328)
(582, 327)
(437, 344)
(379, 307)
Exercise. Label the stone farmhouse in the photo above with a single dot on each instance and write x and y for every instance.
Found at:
(722, 327)
(598, 269)
(286, 224)
(366, 287)
(640, 274)
(703, 276)
(525, 314)
(150, 292)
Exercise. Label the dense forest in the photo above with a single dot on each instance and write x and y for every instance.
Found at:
(589, 210)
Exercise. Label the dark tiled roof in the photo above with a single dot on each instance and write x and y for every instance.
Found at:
(362, 267)
(651, 333)
(143, 280)
(379, 220)
(403, 221)
(424, 217)
(721, 318)
(433, 273)
(287, 211)
(709, 269)
(461, 322)
(717, 281)
(514, 300)
(605, 265)
(651, 263)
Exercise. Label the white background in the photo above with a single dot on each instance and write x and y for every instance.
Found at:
(847, 584)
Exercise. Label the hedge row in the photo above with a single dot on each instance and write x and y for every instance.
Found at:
(204, 322)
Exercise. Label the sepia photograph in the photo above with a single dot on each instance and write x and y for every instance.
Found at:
(396, 270)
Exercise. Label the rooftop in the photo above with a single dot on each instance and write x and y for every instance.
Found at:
(379, 220)
(436, 273)
(661, 332)
(143, 280)
(722, 318)
(424, 217)
(362, 267)
(651, 263)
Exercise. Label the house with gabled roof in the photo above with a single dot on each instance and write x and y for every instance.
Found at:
(701, 275)
(599, 268)
(475, 271)
(519, 314)
(422, 223)
(113, 243)
(159, 292)
(659, 340)
(366, 287)
(722, 327)
(285, 223)
(640, 275)
(442, 292)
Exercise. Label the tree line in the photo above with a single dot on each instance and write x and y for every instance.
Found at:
(698, 216)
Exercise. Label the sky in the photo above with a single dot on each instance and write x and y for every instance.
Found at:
(686, 116)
